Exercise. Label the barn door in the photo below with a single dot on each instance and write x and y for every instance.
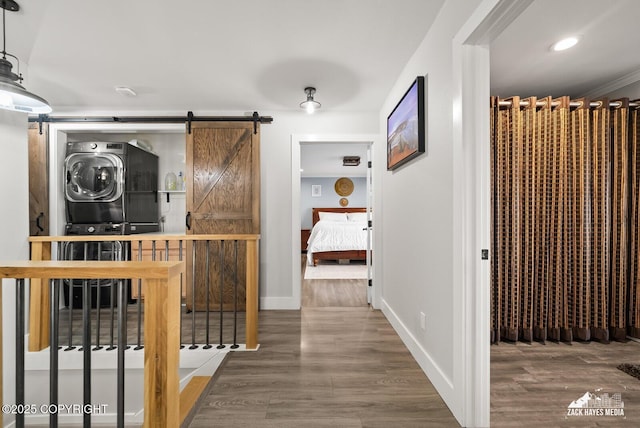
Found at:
(223, 197)
(38, 180)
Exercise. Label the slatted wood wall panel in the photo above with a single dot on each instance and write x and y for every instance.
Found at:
(496, 295)
(566, 220)
(601, 221)
(620, 132)
(634, 232)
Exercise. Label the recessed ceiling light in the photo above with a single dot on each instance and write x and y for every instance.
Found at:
(126, 91)
(564, 44)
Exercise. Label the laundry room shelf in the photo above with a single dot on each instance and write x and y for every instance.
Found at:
(169, 192)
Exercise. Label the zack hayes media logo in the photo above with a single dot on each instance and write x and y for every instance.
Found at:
(591, 404)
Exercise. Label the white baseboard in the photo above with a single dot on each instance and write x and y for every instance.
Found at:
(436, 376)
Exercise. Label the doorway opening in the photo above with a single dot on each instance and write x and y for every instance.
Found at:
(335, 182)
(318, 178)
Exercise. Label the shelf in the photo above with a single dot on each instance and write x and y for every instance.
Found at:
(169, 192)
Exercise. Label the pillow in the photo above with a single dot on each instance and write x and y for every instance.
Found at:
(327, 216)
(359, 217)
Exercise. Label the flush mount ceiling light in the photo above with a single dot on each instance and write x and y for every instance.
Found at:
(14, 96)
(564, 44)
(310, 105)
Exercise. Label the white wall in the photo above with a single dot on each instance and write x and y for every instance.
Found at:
(417, 220)
(14, 230)
(328, 198)
(276, 283)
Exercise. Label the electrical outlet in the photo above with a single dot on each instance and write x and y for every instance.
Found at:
(423, 321)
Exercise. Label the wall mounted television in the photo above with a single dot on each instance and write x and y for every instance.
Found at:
(406, 126)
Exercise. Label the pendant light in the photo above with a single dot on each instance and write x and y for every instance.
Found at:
(310, 105)
(14, 96)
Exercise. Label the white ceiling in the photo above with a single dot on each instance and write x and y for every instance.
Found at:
(522, 63)
(325, 160)
(213, 56)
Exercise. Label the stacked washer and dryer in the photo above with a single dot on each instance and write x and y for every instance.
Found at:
(110, 189)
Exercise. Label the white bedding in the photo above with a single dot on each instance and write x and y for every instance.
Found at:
(336, 236)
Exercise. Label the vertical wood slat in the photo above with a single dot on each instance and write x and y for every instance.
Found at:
(620, 237)
(510, 137)
(601, 221)
(527, 178)
(581, 207)
(162, 352)
(567, 228)
(634, 260)
(542, 193)
(495, 252)
(252, 294)
(39, 301)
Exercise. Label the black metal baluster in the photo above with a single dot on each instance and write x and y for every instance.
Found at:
(139, 305)
(20, 330)
(221, 344)
(122, 346)
(235, 296)
(54, 325)
(86, 350)
(208, 290)
(193, 296)
(98, 303)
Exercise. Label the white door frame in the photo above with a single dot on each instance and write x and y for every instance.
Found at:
(296, 141)
(472, 201)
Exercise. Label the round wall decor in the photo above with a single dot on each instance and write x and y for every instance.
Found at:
(344, 202)
(344, 186)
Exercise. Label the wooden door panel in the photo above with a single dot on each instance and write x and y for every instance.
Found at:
(38, 180)
(223, 194)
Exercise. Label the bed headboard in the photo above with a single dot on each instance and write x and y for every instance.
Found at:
(316, 211)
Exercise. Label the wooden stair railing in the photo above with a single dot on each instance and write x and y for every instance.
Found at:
(161, 281)
(39, 296)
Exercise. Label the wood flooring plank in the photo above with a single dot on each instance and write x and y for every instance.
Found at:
(324, 367)
(533, 384)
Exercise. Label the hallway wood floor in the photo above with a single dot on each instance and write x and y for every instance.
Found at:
(532, 385)
(323, 366)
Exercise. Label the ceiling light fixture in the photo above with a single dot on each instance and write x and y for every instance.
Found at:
(351, 161)
(310, 105)
(14, 96)
(564, 44)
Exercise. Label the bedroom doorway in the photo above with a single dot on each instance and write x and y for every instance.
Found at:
(332, 277)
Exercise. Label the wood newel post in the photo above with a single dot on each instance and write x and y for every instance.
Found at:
(162, 352)
(39, 301)
(252, 294)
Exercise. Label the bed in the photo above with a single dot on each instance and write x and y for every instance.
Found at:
(337, 233)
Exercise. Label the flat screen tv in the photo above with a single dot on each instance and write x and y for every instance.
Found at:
(405, 127)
